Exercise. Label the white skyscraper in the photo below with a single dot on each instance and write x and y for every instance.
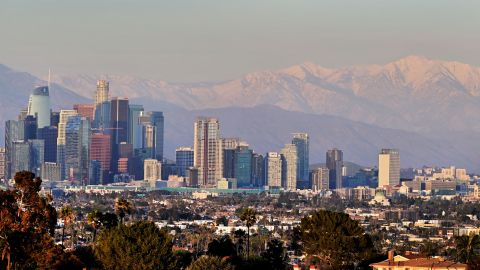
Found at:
(39, 106)
(103, 92)
(289, 166)
(152, 171)
(273, 169)
(208, 151)
(61, 138)
(388, 167)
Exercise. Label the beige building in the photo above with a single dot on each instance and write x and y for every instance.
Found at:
(273, 169)
(388, 167)
(289, 166)
(208, 157)
(152, 171)
(103, 92)
(320, 179)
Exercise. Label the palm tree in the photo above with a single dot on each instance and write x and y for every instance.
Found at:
(123, 207)
(249, 217)
(466, 246)
(94, 218)
(66, 213)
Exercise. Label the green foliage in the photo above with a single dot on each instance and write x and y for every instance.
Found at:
(222, 220)
(467, 247)
(249, 217)
(210, 263)
(335, 239)
(183, 259)
(26, 227)
(141, 245)
(222, 247)
(276, 255)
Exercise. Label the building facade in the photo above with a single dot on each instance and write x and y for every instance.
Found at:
(289, 167)
(388, 167)
(334, 160)
(302, 142)
(208, 151)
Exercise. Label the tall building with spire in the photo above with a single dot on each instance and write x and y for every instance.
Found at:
(103, 92)
(207, 151)
(39, 106)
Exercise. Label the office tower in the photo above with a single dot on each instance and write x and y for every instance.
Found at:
(230, 143)
(122, 165)
(243, 165)
(77, 141)
(148, 134)
(39, 106)
(14, 131)
(289, 167)
(134, 125)
(320, 179)
(103, 92)
(334, 165)
(54, 119)
(49, 136)
(23, 114)
(192, 176)
(119, 124)
(157, 120)
(228, 156)
(51, 171)
(95, 173)
(152, 171)
(37, 151)
(100, 151)
(388, 167)
(301, 141)
(85, 110)
(273, 170)
(169, 168)
(207, 151)
(30, 128)
(139, 155)
(183, 159)
(258, 170)
(102, 116)
(20, 157)
(2, 163)
(63, 118)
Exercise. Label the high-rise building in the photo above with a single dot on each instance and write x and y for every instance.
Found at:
(183, 159)
(30, 128)
(61, 138)
(388, 167)
(95, 173)
(334, 165)
(39, 106)
(229, 146)
(102, 116)
(49, 136)
(148, 134)
(273, 169)
(14, 131)
(157, 121)
(207, 151)
(192, 176)
(301, 141)
(119, 125)
(51, 171)
(134, 125)
(20, 157)
(258, 170)
(320, 179)
(54, 119)
(152, 171)
(243, 165)
(85, 110)
(103, 92)
(100, 151)
(289, 167)
(37, 154)
(77, 142)
(2, 163)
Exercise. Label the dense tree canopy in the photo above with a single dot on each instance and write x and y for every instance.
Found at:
(141, 245)
(209, 263)
(335, 239)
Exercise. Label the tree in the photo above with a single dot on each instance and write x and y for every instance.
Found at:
(222, 247)
(335, 239)
(66, 213)
(466, 245)
(276, 255)
(123, 207)
(209, 263)
(141, 245)
(27, 224)
(94, 219)
(249, 217)
(222, 220)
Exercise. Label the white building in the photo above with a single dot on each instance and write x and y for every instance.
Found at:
(273, 166)
(388, 167)
(289, 166)
(152, 171)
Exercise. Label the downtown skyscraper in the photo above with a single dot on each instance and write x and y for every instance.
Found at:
(207, 151)
(334, 165)
(388, 167)
(302, 143)
(289, 166)
(39, 106)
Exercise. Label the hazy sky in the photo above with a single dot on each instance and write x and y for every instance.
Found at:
(200, 40)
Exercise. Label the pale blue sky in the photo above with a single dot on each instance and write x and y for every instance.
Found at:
(201, 40)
